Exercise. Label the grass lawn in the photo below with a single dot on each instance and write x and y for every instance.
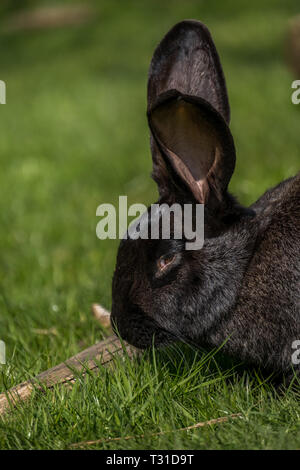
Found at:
(73, 135)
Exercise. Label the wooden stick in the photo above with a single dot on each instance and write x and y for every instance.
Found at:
(102, 352)
(293, 45)
(48, 17)
(102, 315)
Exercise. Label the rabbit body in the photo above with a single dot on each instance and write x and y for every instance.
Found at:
(242, 288)
(265, 319)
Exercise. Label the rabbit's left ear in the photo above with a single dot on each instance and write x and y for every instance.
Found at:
(188, 113)
(195, 144)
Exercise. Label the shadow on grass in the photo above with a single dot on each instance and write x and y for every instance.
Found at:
(179, 359)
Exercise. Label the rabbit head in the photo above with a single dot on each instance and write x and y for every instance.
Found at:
(161, 291)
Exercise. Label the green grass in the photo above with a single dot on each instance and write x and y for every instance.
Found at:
(74, 135)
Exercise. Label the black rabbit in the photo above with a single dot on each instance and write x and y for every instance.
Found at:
(243, 286)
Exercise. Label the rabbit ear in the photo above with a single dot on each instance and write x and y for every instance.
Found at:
(186, 62)
(195, 146)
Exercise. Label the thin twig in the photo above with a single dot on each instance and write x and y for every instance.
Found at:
(223, 419)
(102, 315)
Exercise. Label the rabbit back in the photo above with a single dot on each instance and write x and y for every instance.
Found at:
(266, 318)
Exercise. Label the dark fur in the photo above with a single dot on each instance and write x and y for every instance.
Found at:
(243, 286)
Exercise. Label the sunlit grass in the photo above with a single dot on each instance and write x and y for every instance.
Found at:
(74, 135)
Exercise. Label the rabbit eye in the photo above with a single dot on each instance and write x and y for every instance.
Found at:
(164, 261)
